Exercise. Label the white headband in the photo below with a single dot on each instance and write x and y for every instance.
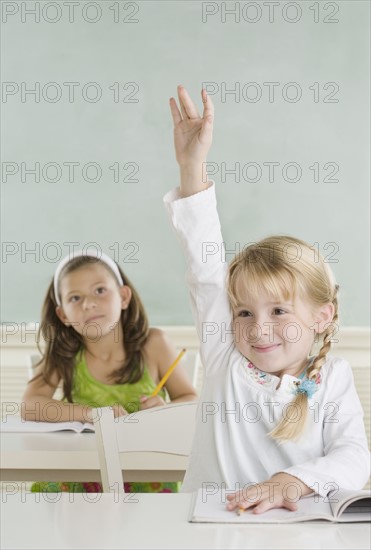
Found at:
(90, 253)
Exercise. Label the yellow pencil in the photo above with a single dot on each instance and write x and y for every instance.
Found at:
(168, 372)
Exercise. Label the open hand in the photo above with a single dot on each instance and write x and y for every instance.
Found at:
(192, 133)
(280, 491)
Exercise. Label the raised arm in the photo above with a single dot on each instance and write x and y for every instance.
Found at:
(192, 209)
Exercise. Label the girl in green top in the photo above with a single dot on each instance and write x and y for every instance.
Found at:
(99, 347)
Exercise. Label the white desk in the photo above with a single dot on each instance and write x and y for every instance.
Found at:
(76, 521)
(69, 456)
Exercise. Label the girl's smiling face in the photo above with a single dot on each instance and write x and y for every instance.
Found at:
(276, 335)
(92, 301)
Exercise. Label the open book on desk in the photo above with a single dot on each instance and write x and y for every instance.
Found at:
(15, 424)
(342, 506)
(140, 429)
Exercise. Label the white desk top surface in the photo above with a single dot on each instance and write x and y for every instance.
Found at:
(151, 521)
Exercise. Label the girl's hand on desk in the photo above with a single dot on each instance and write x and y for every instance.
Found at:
(149, 402)
(192, 133)
(280, 491)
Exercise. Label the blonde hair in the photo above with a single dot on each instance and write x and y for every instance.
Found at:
(287, 267)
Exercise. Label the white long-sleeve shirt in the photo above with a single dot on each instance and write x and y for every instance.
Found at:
(239, 404)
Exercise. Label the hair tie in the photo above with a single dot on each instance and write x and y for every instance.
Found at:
(89, 253)
(306, 386)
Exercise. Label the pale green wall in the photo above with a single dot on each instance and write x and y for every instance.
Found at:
(170, 44)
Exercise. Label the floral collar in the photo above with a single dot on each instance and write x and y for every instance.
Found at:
(299, 385)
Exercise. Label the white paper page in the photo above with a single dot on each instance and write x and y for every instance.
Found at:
(15, 424)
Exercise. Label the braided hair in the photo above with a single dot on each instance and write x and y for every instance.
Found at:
(288, 267)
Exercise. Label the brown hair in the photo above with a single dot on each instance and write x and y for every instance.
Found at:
(62, 343)
(286, 267)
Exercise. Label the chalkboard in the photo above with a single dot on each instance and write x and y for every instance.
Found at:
(88, 153)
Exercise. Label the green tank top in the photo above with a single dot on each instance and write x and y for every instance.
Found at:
(86, 390)
(89, 391)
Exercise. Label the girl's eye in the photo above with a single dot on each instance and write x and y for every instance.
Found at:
(100, 290)
(74, 299)
(279, 311)
(244, 313)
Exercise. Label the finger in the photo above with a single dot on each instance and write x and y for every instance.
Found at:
(186, 104)
(148, 402)
(208, 104)
(177, 117)
(238, 502)
(232, 505)
(206, 132)
(266, 505)
(235, 497)
(248, 498)
(151, 402)
(292, 506)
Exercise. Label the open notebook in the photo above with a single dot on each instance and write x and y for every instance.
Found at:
(342, 506)
(15, 424)
(140, 430)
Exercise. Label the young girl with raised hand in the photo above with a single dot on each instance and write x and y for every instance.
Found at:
(99, 346)
(275, 423)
